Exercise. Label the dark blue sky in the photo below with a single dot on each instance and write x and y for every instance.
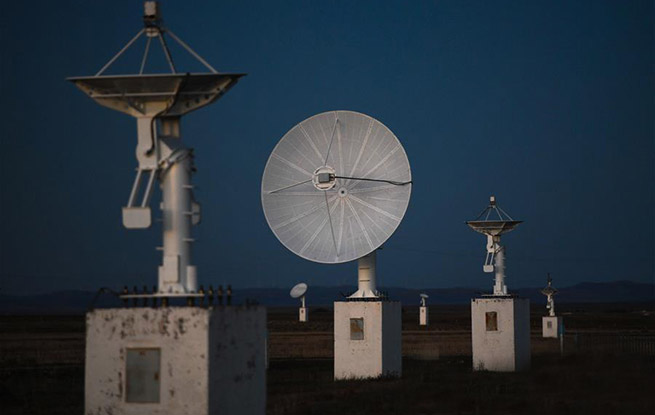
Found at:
(547, 105)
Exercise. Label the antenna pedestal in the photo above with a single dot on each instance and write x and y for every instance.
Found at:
(176, 274)
(366, 277)
(303, 315)
(495, 262)
(551, 306)
(423, 316)
(499, 264)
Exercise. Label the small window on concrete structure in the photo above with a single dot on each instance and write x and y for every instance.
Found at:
(356, 329)
(549, 324)
(492, 321)
(142, 375)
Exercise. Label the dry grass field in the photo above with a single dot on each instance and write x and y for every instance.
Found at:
(42, 359)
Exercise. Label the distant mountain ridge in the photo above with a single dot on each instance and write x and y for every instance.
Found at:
(76, 301)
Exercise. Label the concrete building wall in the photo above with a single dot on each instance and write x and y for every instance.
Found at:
(500, 334)
(551, 326)
(392, 353)
(374, 352)
(522, 334)
(200, 356)
(237, 360)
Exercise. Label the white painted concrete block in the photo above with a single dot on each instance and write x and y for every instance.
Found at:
(176, 360)
(303, 314)
(367, 339)
(551, 326)
(423, 317)
(500, 334)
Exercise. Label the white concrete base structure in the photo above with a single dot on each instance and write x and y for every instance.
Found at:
(501, 334)
(176, 360)
(551, 326)
(367, 339)
(423, 318)
(303, 314)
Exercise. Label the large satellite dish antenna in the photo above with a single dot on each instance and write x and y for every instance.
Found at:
(496, 222)
(157, 101)
(335, 188)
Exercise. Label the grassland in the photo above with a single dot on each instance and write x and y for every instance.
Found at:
(42, 359)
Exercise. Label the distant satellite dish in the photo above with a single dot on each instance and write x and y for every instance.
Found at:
(424, 298)
(336, 187)
(494, 222)
(298, 290)
(549, 290)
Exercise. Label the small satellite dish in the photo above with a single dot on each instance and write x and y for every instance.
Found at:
(424, 298)
(549, 291)
(336, 187)
(298, 290)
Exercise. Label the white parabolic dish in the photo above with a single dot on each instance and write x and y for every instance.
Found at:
(336, 187)
(298, 290)
(422, 295)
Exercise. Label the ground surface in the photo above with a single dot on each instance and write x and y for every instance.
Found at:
(608, 366)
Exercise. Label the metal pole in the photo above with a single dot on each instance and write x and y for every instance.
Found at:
(191, 51)
(177, 225)
(120, 52)
(499, 288)
(169, 58)
(176, 273)
(145, 56)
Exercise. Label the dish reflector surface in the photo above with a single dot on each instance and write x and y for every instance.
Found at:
(142, 95)
(424, 295)
(493, 228)
(313, 195)
(496, 221)
(298, 290)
